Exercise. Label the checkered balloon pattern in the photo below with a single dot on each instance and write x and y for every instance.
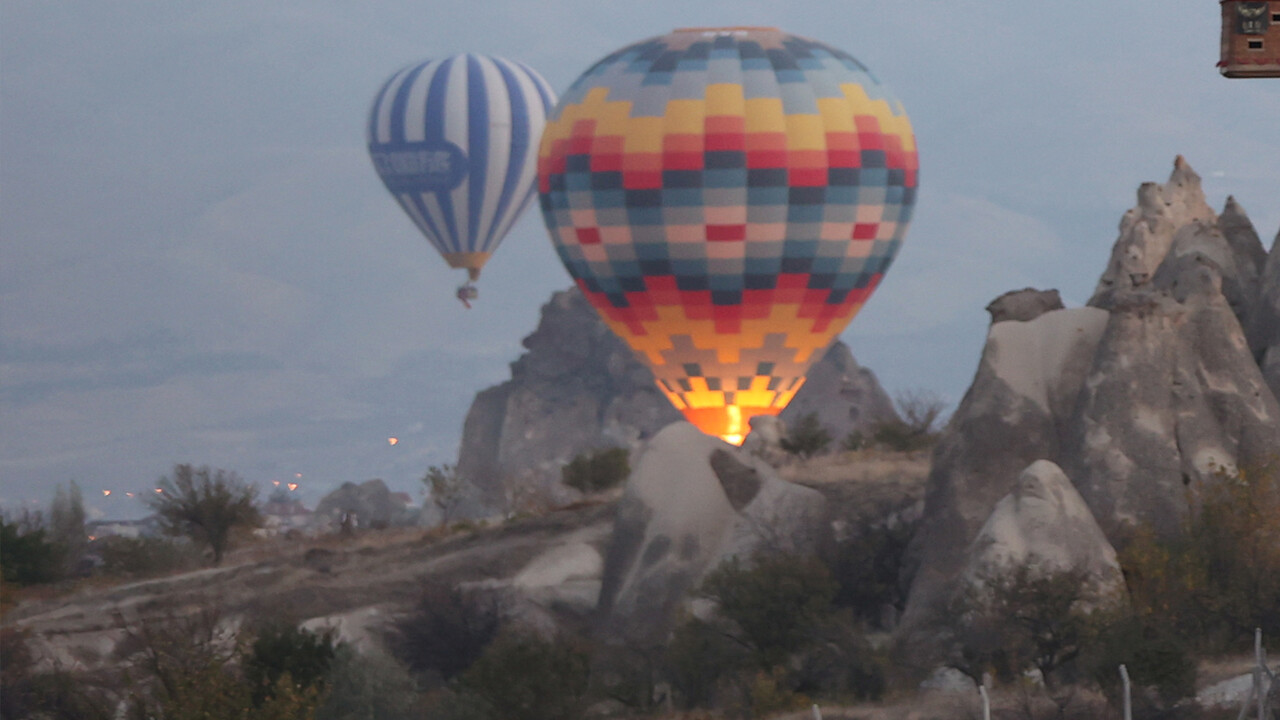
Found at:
(727, 199)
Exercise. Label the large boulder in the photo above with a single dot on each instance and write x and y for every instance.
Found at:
(1014, 414)
(691, 502)
(1044, 525)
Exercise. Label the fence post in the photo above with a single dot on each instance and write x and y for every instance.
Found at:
(817, 714)
(986, 702)
(1128, 693)
(1259, 664)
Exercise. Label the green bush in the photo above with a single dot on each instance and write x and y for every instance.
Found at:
(27, 555)
(285, 650)
(523, 676)
(1155, 658)
(367, 687)
(775, 602)
(842, 665)
(807, 438)
(868, 571)
(447, 631)
(1220, 577)
(598, 471)
(144, 556)
(696, 659)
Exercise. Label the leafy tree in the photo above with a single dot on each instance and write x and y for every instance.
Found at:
(27, 555)
(807, 438)
(205, 505)
(597, 471)
(66, 525)
(447, 489)
(1020, 618)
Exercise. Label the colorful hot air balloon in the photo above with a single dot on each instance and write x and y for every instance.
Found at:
(727, 199)
(455, 141)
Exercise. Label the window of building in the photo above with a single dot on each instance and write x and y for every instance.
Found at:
(1275, 17)
(1255, 44)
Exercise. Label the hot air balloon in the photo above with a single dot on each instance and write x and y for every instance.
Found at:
(727, 199)
(455, 140)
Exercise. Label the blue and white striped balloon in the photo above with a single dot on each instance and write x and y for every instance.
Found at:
(456, 141)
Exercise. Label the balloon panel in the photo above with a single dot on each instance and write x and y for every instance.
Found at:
(728, 200)
(455, 141)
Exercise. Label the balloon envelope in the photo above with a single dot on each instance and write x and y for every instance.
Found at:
(455, 140)
(727, 199)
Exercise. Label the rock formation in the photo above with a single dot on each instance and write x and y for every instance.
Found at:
(1015, 413)
(1151, 389)
(1264, 325)
(845, 396)
(691, 502)
(1025, 304)
(579, 389)
(369, 505)
(1045, 525)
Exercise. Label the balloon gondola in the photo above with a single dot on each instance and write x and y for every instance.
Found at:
(727, 199)
(455, 140)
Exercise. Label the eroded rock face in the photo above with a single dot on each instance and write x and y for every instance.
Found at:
(1044, 525)
(1173, 397)
(1015, 413)
(1147, 230)
(845, 396)
(1264, 326)
(691, 502)
(577, 389)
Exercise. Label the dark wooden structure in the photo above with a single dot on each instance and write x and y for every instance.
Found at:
(1250, 38)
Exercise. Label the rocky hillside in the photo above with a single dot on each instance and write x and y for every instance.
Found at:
(1167, 377)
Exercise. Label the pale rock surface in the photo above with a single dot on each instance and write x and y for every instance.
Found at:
(1147, 230)
(1044, 525)
(1015, 412)
(691, 502)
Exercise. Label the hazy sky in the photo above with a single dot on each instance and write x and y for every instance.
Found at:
(198, 263)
